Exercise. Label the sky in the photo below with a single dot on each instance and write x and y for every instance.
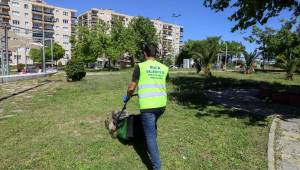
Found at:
(198, 22)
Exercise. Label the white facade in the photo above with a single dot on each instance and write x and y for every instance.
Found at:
(36, 16)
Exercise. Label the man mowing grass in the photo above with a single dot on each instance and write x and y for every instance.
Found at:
(150, 77)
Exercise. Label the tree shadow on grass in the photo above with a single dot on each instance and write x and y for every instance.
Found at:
(190, 91)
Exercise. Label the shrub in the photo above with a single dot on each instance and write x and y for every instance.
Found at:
(20, 67)
(75, 70)
(59, 64)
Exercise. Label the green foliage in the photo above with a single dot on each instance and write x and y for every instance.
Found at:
(20, 67)
(283, 45)
(249, 61)
(35, 54)
(59, 64)
(263, 38)
(58, 52)
(206, 51)
(75, 70)
(142, 31)
(251, 12)
(184, 53)
(234, 48)
(90, 43)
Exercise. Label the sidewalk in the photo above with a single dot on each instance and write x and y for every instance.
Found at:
(287, 145)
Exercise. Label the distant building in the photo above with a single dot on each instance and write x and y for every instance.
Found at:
(170, 35)
(37, 16)
(4, 11)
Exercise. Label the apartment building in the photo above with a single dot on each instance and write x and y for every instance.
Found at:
(4, 12)
(37, 18)
(170, 35)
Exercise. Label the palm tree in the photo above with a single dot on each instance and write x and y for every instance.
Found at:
(249, 61)
(206, 51)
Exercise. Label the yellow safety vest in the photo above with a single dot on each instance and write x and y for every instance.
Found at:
(152, 84)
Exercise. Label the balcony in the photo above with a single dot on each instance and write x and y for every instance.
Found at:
(36, 10)
(37, 19)
(4, 15)
(49, 30)
(36, 28)
(49, 20)
(49, 13)
(4, 5)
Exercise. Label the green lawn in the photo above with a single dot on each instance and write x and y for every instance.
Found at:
(60, 126)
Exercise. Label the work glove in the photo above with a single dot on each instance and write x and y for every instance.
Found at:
(126, 99)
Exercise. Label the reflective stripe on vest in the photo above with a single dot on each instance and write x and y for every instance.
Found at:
(152, 94)
(144, 86)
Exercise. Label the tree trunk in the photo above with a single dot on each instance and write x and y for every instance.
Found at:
(289, 76)
(207, 72)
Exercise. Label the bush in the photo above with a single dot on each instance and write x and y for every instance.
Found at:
(75, 70)
(20, 67)
(59, 64)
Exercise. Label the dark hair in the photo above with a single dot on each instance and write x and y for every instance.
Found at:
(150, 49)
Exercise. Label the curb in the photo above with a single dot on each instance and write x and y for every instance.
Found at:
(271, 144)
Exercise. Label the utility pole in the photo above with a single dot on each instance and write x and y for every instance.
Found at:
(25, 59)
(51, 53)
(6, 49)
(225, 66)
(2, 57)
(44, 60)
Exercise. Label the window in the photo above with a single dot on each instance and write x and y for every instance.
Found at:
(65, 13)
(16, 13)
(66, 28)
(26, 31)
(26, 15)
(66, 43)
(14, 3)
(26, 23)
(65, 21)
(25, 6)
(65, 36)
(57, 20)
(16, 31)
(16, 22)
(19, 57)
(57, 27)
(57, 11)
(57, 35)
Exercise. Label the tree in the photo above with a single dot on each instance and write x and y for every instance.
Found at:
(35, 54)
(249, 61)
(116, 41)
(234, 49)
(250, 12)
(185, 52)
(206, 51)
(144, 32)
(90, 42)
(58, 52)
(286, 43)
(263, 38)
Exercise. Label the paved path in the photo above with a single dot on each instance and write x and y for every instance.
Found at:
(287, 147)
(287, 134)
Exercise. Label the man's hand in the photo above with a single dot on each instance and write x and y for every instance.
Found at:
(126, 99)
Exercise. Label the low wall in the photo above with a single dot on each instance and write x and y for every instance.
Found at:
(11, 78)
